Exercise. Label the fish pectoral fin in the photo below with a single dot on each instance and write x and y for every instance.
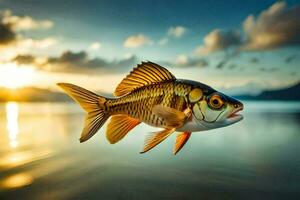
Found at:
(154, 139)
(181, 140)
(172, 117)
(119, 126)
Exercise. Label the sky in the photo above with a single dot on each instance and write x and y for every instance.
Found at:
(236, 46)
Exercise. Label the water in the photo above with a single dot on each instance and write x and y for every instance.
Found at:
(41, 157)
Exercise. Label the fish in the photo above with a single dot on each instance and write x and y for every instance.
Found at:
(153, 95)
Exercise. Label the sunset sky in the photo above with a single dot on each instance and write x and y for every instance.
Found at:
(238, 46)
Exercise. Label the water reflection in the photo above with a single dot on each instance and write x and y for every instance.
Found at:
(257, 154)
(17, 180)
(12, 117)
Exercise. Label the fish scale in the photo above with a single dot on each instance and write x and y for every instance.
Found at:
(139, 103)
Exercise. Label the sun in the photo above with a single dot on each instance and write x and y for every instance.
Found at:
(13, 76)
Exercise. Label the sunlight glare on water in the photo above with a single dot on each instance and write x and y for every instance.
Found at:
(17, 180)
(12, 117)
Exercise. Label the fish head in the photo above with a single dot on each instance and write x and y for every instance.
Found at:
(212, 109)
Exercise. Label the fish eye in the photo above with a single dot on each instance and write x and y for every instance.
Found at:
(216, 102)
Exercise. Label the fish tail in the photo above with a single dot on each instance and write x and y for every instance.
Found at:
(93, 104)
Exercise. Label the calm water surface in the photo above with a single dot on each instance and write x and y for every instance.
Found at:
(41, 157)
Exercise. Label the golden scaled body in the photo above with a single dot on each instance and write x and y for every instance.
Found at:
(140, 103)
(151, 94)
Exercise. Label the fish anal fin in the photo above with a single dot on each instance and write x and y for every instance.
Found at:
(144, 74)
(154, 139)
(119, 126)
(181, 140)
(172, 117)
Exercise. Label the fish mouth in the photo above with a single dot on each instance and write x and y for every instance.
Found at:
(235, 113)
(234, 116)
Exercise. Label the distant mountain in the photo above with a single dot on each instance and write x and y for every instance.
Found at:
(31, 94)
(290, 93)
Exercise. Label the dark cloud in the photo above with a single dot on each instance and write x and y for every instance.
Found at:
(229, 56)
(293, 73)
(24, 59)
(79, 62)
(232, 66)
(276, 27)
(254, 60)
(290, 58)
(221, 64)
(188, 62)
(219, 40)
(273, 69)
(198, 62)
(73, 57)
(7, 35)
(12, 33)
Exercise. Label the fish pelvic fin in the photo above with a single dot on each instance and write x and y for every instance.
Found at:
(119, 126)
(181, 140)
(154, 139)
(92, 103)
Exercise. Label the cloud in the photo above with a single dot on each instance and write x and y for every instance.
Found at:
(14, 42)
(19, 23)
(95, 46)
(7, 35)
(177, 31)
(232, 66)
(273, 69)
(136, 41)
(24, 46)
(71, 57)
(173, 32)
(24, 59)
(198, 62)
(278, 26)
(183, 60)
(291, 58)
(80, 62)
(163, 41)
(29, 43)
(218, 40)
(226, 60)
(254, 60)
(222, 64)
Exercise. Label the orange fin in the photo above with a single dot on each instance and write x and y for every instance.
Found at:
(144, 74)
(173, 117)
(119, 126)
(181, 140)
(154, 139)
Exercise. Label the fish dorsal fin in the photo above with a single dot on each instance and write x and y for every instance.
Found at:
(181, 139)
(144, 74)
(119, 126)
